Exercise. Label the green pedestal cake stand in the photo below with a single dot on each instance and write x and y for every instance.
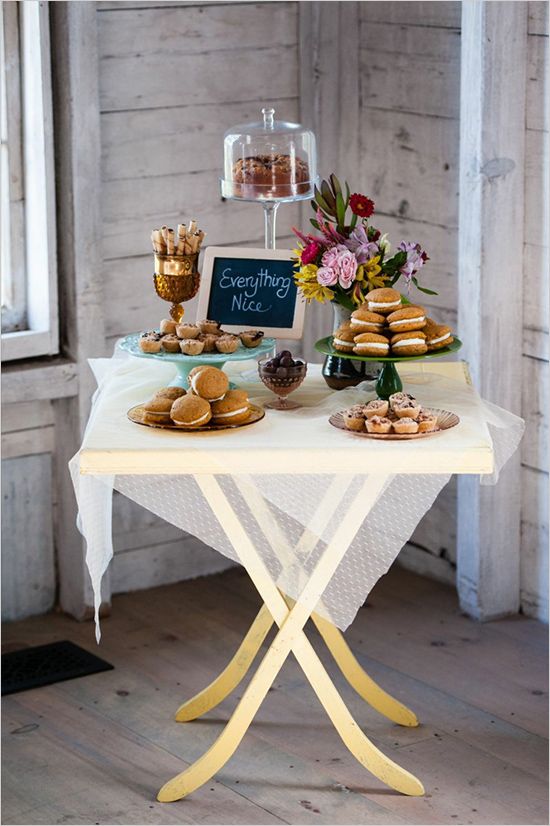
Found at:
(388, 381)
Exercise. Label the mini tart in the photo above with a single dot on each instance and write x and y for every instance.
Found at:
(384, 300)
(187, 330)
(407, 410)
(409, 344)
(170, 393)
(251, 338)
(371, 344)
(398, 398)
(209, 326)
(208, 341)
(171, 343)
(157, 409)
(150, 342)
(343, 340)
(407, 319)
(208, 382)
(234, 408)
(191, 411)
(365, 321)
(405, 425)
(227, 343)
(167, 325)
(378, 424)
(427, 421)
(191, 346)
(377, 407)
(354, 417)
(437, 336)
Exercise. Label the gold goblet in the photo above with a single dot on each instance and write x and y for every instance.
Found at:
(176, 279)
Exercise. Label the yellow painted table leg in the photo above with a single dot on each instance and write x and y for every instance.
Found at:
(290, 637)
(232, 675)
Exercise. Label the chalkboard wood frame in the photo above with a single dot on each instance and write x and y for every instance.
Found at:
(211, 256)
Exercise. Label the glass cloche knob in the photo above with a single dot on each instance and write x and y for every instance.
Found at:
(268, 118)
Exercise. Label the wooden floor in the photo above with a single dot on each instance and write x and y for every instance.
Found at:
(96, 750)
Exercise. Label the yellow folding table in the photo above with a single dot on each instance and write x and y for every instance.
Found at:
(286, 442)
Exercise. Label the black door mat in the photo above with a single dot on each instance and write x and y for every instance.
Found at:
(47, 664)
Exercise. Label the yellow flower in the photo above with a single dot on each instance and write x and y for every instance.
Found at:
(298, 254)
(369, 272)
(306, 281)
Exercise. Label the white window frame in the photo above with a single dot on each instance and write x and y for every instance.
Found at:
(41, 336)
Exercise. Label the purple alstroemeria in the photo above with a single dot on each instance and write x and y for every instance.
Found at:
(360, 245)
(416, 257)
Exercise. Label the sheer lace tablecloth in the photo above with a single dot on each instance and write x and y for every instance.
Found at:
(288, 478)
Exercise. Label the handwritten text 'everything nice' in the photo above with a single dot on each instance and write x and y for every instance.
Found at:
(250, 285)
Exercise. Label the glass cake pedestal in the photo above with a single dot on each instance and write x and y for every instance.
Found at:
(184, 364)
(388, 381)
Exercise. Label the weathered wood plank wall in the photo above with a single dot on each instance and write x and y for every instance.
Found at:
(410, 77)
(172, 78)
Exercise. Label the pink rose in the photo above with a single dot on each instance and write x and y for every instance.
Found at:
(347, 267)
(327, 276)
(310, 253)
(330, 257)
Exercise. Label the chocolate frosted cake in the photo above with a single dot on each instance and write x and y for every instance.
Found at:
(270, 176)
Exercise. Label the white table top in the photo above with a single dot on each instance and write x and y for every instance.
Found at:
(295, 442)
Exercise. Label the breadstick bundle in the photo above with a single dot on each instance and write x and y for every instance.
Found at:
(186, 240)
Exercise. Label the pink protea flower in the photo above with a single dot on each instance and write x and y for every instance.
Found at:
(327, 276)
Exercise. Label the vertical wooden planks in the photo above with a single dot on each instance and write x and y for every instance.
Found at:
(28, 567)
(492, 147)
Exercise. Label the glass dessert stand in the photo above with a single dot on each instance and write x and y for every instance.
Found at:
(185, 364)
(388, 381)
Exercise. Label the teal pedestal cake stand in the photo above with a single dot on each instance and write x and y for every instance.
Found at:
(184, 364)
(388, 381)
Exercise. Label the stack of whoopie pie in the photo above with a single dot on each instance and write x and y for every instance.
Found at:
(383, 324)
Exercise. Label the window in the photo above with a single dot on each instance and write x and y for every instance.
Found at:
(27, 205)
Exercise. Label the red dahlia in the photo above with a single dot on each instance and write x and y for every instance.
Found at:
(361, 205)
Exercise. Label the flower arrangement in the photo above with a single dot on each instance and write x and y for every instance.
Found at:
(350, 257)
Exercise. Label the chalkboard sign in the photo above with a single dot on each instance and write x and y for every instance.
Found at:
(251, 289)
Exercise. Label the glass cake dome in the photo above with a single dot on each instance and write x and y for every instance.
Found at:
(271, 160)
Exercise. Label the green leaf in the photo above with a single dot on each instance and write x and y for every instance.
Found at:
(315, 223)
(353, 222)
(340, 211)
(347, 193)
(322, 203)
(335, 183)
(328, 195)
(344, 300)
(423, 289)
(404, 299)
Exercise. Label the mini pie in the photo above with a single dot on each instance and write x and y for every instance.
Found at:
(376, 407)
(343, 340)
(407, 409)
(407, 319)
(208, 382)
(169, 393)
(371, 344)
(187, 330)
(365, 321)
(171, 343)
(405, 425)
(167, 325)
(191, 346)
(158, 408)
(227, 343)
(437, 335)
(384, 300)
(209, 326)
(251, 338)
(427, 421)
(398, 398)
(208, 342)
(150, 342)
(234, 408)
(409, 344)
(354, 417)
(378, 424)
(191, 411)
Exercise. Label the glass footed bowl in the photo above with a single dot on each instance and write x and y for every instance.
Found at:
(282, 381)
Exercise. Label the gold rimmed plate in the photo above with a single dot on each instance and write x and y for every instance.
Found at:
(445, 420)
(138, 415)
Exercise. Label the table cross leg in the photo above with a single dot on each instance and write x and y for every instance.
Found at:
(290, 638)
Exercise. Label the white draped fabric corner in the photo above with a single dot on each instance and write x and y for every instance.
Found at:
(289, 517)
